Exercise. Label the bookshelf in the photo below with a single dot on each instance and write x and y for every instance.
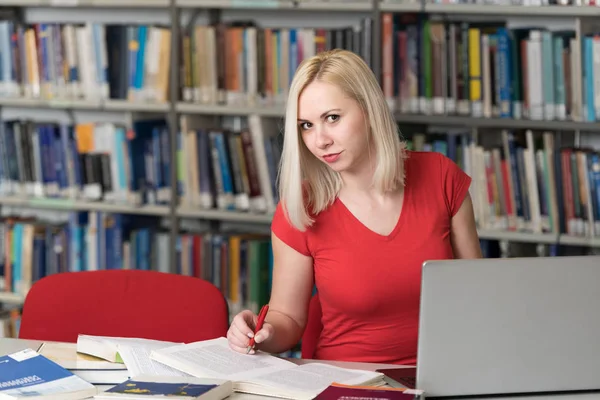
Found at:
(181, 14)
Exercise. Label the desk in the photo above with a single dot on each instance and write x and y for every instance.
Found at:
(9, 345)
(12, 345)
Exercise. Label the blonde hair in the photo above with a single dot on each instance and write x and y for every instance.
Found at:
(306, 185)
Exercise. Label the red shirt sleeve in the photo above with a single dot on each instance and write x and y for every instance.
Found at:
(455, 184)
(288, 233)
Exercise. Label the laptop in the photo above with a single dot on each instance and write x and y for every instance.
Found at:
(510, 326)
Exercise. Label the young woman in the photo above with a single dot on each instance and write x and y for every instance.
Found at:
(358, 216)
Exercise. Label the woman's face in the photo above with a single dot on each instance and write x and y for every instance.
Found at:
(332, 127)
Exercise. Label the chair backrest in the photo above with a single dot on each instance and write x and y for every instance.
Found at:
(313, 329)
(127, 303)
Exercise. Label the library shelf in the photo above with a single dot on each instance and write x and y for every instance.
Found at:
(22, 102)
(130, 106)
(82, 104)
(226, 109)
(515, 236)
(570, 240)
(11, 298)
(80, 205)
(233, 4)
(391, 6)
(472, 122)
(277, 5)
(223, 215)
(334, 6)
(516, 11)
(277, 111)
(87, 3)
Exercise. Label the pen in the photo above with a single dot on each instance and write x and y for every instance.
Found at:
(261, 319)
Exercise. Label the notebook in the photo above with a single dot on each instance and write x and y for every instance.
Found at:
(344, 392)
(261, 373)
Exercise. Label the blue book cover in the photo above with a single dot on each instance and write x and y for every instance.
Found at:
(27, 373)
(171, 390)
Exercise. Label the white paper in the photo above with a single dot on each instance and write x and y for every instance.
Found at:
(138, 362)
(314, 377)
(214, 358)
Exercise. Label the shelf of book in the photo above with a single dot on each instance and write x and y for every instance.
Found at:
(335, 6)
(358, 5)
(225, 4)
(82, 104)
(131, 106)
(81, 205)
(223, 215)
(277, 111)
(569, 240)
(507, 10)
(154, 210)
(86, 3)
(509, 123)
(404, 6)
(514, 236)
(11, 298)
(226, 109)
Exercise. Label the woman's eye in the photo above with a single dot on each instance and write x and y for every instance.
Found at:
(333, 117)
(305, 125)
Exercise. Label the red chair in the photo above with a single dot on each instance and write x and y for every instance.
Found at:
(127, 303)
(313, 329)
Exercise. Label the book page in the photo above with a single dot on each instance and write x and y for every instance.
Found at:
(214, 359)
(312, 378)
(138, 362)
(66, 355)
(116, 340)
(106, 347)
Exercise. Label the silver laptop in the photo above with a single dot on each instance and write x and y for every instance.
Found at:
(509, 326)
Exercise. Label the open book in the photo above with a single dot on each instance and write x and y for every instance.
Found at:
(133, 353)
(89, 368)
(107, 347)
(260, 373)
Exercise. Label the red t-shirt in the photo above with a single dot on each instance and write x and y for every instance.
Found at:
(369, 284)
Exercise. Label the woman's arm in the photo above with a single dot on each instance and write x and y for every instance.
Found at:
(290, 296)
(463, 232)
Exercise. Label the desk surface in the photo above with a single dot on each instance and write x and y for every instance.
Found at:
(8, 345)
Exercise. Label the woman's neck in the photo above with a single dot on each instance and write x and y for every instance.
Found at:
(360, 187)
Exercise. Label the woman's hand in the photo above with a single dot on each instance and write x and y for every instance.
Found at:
(242, 330)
